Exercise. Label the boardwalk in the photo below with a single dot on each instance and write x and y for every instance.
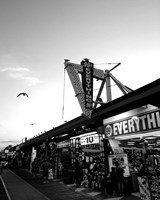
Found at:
(21, 186)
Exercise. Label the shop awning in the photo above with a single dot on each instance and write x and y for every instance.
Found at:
(148, 94)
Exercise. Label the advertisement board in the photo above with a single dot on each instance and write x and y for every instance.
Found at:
(133, 123)
(123, 161)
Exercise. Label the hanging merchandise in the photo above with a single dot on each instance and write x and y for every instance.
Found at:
(89, 151)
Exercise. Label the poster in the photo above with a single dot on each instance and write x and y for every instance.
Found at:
(144, 188)
(123, 161)
(33, 155)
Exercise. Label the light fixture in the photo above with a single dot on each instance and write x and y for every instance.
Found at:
(150, 137)
(141, 135)
(130, 143)
(136, 139)
(151, 144)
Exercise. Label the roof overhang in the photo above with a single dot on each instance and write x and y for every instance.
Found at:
(148, 94)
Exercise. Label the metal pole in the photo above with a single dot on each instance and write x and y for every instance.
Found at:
(108, 87)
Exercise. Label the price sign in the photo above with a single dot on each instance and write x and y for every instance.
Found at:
(90, 139)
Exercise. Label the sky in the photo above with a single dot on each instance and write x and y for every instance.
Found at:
(35, 38)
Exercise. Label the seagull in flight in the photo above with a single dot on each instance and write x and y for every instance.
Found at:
(23, 93)
(32, 124)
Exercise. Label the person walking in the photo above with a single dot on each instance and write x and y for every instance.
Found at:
(45, 168)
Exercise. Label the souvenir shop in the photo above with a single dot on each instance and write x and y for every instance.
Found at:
(135, 139)
(61, 159)
(88, 150)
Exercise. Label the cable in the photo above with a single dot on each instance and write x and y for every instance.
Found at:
(105, 63)
(104, 87)
(63, 93)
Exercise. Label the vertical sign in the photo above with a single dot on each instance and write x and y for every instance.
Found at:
(87, 81)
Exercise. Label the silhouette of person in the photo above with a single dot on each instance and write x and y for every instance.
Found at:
(120, 178)
(45, 167)
(78, 173)
(114, 184)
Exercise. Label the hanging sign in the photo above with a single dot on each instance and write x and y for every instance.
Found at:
(63, 144)
(87, 81)
(89, 139)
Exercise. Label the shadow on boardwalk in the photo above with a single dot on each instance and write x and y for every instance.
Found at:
(57, 190)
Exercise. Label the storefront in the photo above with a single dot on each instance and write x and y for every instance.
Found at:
(136, 133)
(62, 159)
(88, 149)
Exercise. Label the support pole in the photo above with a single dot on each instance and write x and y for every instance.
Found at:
(99, 93)
(108, 87)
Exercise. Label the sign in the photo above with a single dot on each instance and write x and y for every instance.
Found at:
(50, 174)
(63, 144)
(144, 188)
(11, 154)
(87, 81)
(123, 161)
(73, 71)
(33, 154)
(89, 139)
(6, 151)
(135, 124)
(155, 189)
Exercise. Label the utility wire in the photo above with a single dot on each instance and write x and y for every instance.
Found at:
(64, 83)
(105, 63)
(104, 87)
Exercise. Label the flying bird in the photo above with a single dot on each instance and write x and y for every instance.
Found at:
(24, 94)
(32, 124)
